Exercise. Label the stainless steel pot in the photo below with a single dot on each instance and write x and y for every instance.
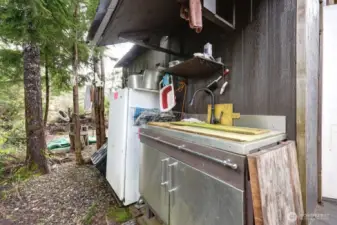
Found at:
(151, 79)
(135, 81)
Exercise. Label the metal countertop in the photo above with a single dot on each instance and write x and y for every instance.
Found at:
(242, 148)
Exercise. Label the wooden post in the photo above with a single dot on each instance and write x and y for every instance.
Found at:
(99, 104)
(319, 120)
(307, 69)
(102, 109)
(97, 118)
(331, 2)
(71, 136)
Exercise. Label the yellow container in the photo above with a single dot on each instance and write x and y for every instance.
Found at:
(227, 116)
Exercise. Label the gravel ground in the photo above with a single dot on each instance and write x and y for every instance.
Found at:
(70, 194)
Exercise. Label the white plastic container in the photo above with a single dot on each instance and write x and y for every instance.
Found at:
(208, 49)
(167, 99)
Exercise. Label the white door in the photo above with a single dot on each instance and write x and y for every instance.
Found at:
(118, 113)
(329, 104)
(144, 100)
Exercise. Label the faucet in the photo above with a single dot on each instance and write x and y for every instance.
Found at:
(213, 120)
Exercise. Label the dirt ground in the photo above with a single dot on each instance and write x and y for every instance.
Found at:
(70, 194)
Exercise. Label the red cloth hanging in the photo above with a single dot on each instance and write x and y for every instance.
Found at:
(192, 12)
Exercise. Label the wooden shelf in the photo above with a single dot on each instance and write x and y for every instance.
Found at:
(196, 67)
(218, 20)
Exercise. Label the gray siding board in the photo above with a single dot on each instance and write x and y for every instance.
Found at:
(307, 70)
(274, 69)
(262, 60)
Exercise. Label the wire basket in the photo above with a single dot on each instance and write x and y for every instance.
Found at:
(142, 116)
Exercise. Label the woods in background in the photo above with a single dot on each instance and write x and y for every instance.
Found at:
(48, 36)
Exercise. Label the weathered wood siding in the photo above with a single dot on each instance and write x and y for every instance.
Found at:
(262, 60)
(307, 71)
(273, 58)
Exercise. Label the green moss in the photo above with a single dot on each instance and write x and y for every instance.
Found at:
(87, 220)
(6, 193)
(3, 195)
(23, 173)
(119, 215)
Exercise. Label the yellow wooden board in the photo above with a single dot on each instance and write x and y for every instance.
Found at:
(228, 114)
(212, 133)
(233, 129)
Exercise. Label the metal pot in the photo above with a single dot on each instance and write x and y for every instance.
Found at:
(174, 63)
(151, 79)
(135, 81)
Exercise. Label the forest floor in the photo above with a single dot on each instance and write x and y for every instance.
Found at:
(70, 194)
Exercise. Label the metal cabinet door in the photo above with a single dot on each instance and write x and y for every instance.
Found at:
(199, 199)
(153, 181)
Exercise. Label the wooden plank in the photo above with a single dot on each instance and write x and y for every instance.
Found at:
(276, 189)
(295, 178)
(215, 133)
(160, 124)
(262, 60)
(254, 183)
(307, 70)
(232, 129)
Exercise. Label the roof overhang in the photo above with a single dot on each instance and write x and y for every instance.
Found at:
(104, 12)
(145, 22)
(141, 19)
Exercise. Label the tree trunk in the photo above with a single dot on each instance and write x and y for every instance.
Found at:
(96, 106)
(76, 119)
(47, 93)
(36, 144)
(99, 103)
(103, 135)
(97, 118)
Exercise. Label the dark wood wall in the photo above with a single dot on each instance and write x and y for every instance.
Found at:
(273, 58)
(262, 59)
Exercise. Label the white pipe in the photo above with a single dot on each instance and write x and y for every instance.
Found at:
(223, 87)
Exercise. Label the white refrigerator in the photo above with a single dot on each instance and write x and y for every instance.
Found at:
(123, 153)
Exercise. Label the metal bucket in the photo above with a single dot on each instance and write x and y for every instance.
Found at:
(135, 81)
(152, 79)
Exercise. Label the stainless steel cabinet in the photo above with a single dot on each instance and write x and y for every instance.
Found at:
(191, 184)
(199, 199)
(206, 180)
(153, 181)
(180, 194)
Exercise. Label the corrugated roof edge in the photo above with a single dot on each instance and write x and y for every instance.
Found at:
(133, 53)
